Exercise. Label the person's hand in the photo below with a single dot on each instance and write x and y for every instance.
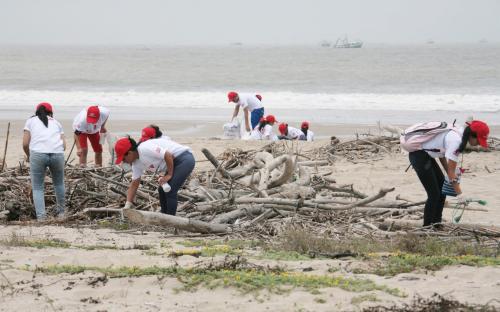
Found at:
(164, 179)
(247, 128)
(461, 199)
(128, 205)
(103, 130)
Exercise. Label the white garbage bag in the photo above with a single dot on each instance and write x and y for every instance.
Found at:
(232, 130)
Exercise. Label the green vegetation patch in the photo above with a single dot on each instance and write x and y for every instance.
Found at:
(405, 262)
(246, 280)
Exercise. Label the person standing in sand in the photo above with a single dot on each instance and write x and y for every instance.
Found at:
(251, 104)
(447, 146)
(176, 161)
(90, 124)
(264, 129)
(44, 145)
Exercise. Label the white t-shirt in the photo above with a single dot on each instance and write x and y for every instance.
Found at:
(265, 133)
(152, 156)
(448, 144)
(45, 139)
(295, 134)
(80, 121)
(249, 101)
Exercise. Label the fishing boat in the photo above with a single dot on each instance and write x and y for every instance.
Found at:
(346, 44)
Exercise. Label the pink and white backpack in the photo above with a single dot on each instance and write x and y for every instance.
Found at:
(412, 138)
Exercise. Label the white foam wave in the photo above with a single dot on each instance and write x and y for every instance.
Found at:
(276, 100)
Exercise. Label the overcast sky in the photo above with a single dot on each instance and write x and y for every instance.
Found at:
(171, 22)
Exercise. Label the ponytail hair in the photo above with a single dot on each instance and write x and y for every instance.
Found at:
(262, 123)
(42, 113)
(133, 143)
(158, 133)
(465, 138)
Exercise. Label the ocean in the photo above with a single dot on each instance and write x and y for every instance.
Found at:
(397, 84)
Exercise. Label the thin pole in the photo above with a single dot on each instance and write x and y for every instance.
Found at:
(70, 152)
(6, 145)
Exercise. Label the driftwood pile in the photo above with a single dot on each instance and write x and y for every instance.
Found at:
(245, 193)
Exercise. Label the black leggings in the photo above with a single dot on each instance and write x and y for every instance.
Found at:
(432, 179)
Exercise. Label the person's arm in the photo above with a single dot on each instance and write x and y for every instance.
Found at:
(64, 141)
(103, 127)
(26, 143)
(132, 190)
(452, 166)
(77, 143)
(169, 160)
(444, 164)
(247, 119)
(236, 111)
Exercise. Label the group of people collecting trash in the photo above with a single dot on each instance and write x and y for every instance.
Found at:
(172, 163)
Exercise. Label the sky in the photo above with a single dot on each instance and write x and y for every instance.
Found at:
(220, 22)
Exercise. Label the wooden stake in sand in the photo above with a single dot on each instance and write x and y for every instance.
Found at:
(6, 144)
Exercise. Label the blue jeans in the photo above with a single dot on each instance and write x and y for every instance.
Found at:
(255, 116)
(183, 166)
(38, 166)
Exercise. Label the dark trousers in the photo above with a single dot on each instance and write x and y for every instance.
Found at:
(432, 179)
(183, 166)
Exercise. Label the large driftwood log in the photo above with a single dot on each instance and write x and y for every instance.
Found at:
(215, 162)
(180, 223)
(229, 217)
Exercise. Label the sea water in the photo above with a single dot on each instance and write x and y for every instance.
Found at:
(397, 84)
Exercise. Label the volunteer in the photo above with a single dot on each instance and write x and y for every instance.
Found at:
(152, 132)
(447, 146)
(90, 124)
(44, 145)
(172, 161)
(264, 129)
(251, 104)
(290, 133)
(307, 133)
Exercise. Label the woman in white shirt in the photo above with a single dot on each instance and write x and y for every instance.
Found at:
(174, 161)
(44, 145)
(290, 133)
(152, 132)
(264, 130)
(446, 146)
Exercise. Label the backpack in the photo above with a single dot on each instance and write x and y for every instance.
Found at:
(412, 138)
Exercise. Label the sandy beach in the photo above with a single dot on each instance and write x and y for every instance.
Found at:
(90, 291)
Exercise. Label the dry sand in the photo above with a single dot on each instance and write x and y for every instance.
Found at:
(22, 290)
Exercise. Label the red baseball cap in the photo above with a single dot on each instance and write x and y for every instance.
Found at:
(271, 118)
(481, 130)
(305, 124)
(147, 133)
(282, 128)
(231, 96)
(47, 106)
(93, 114)
(122, 146)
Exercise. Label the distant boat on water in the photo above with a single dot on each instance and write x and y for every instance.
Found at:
(430, 41)
(483, 41)
(346, 44)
